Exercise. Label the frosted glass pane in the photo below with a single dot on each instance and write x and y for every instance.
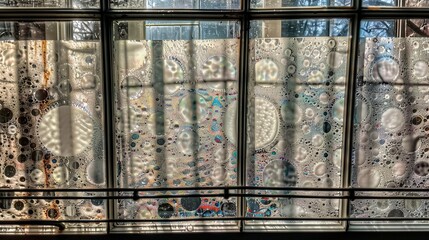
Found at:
(390, 147)
(175, 124)
(78, 4)
(396, 4)
(295, 135)
(51, 131)
(279, 4)
(176, 4)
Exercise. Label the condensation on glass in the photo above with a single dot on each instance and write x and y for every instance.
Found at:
(279, 4)
(176, 4)
(176, 93)
(51, 131)
(390, 148)
(76, 4)
(295, 119)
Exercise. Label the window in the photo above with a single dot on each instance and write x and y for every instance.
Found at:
(158, 116)
(176, 85)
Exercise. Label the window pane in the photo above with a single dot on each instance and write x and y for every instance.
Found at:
(395, 3)
(51, 131)
(78, 4)
(296, 114)
(379, 3)
(86, 30)
(385, 28)
(176, 4)
(176, 87)
(276, 4)
(390, 147)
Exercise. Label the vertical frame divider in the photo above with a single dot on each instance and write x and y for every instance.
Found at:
(107, 54)
(242, 107)
(350, 107)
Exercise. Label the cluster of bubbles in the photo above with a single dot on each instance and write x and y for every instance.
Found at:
(176, 124)
(188, 207)
(296, 121)
(50, 129)
(390, 129)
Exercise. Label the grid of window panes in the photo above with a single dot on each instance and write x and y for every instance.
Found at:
(178, 119)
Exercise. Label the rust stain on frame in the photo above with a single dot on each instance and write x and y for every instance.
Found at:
(46, 72)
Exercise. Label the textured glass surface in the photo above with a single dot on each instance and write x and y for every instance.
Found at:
(278, 4)
(175, 109)
(176, 4)
(51, 132)
(78, 4)
(390, 127)
(396, 4)
(295, 117)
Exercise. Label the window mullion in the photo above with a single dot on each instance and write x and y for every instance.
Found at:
(349, 111)
(242, 108)
(107, 48)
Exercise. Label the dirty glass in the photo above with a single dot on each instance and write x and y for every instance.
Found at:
(51, 127)
(74, 4)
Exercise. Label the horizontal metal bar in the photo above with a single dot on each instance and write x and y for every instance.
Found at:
(250, 188)
(61, 226)
(112, 197)
(173, 11)
(225, 195)
(349, 13)
(176, 15)
(20, 13)
(301, 9)
(278, 15)
(48, 17)
(137, 197)
(396, 14)
(49, 10)
(204, 219)
(285, 13)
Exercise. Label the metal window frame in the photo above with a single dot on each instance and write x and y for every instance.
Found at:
(107, 16)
